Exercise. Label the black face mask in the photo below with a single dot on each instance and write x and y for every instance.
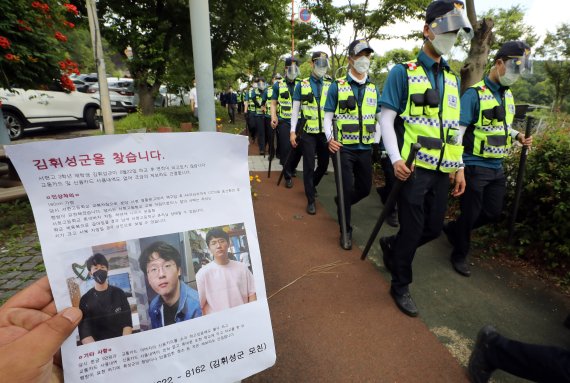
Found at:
(100, 276)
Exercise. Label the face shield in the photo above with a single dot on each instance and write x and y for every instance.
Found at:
(321, 62)
(455, 20)
(520, 65)
(292, 72)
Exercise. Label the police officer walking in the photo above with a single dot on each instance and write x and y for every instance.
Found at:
(487, 112)
(420, 103)
(309, 97)
(281, 111)
(251, 105)
(353, 101)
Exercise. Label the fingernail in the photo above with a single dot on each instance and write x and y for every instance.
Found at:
(72, 314)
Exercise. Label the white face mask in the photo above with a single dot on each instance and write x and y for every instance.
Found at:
(509, 78)
(320, 72)
(443, 43)
(362, 64)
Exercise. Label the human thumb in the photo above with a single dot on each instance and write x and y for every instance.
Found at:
(46, 338)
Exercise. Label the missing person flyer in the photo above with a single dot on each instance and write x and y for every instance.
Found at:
(153, 237)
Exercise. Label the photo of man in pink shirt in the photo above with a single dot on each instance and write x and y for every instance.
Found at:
(223, 283)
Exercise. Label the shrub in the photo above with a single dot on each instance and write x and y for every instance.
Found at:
(543, 227)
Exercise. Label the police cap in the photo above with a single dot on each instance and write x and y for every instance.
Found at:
(439, 8)
(358, 46)
(512, 49)
(290, 60)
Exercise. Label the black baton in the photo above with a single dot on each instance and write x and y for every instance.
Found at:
(339, 189)
(390, 202)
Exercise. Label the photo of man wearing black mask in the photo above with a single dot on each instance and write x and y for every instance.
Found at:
(106, 310)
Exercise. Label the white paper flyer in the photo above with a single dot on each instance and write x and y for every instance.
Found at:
(153, 236)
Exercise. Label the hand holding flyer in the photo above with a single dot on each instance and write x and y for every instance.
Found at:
(147, 234)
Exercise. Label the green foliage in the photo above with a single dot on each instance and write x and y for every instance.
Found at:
(510, 25)
(30, 52)
(543, 228)
(15, 213)
(166, 117)
(556, 51)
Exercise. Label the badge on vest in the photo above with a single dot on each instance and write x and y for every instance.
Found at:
(511, 108)
(370, 101)
(452, 101)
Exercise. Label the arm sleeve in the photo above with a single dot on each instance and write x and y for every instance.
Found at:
(295, 115)
(332, 98)
(514, 133)
(275, 95)
(395, 92)
(469, 107)
(250, 283)
(297, 92)
(85, 324)
(389, 138)
(126, 317)
(327, 125)
(461, 133)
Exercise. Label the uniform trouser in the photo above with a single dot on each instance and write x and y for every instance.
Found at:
(268, 129)
(533, 362)
(389, 178)
(284, 147)
(312, 144)
(240, 107)
(232, 112)
(251, 125)
(481, 204)
(356, 167)
(422, 203)
(260, 131)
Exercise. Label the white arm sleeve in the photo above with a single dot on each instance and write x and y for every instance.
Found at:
(295, 115)
(387, 118)
(514, 133)
(328, 125)
(377, 133)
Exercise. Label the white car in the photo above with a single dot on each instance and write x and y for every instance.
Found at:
(171, 99)
(30, 108)
(121, 94)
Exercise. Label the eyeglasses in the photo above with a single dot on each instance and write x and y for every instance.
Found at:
(166, 267)
(215, 242)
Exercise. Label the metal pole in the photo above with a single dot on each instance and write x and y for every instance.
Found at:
(202, 50)
(108, 124)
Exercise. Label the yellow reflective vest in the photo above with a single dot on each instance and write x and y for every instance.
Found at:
(358, 124)
(490, 136)
(313, 113)
(285, 100)
(431, 121)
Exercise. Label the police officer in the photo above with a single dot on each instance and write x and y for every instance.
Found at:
(487, 112)
(353, 101)
(310, 96)
(260, 115)
(281, 108)
(266, 102)
(420, 103)
(251, 109)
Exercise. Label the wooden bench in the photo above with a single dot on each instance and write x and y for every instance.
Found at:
(12, 193)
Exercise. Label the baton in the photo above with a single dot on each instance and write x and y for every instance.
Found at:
(339, 188)
(390, 202)
(271, 151)
(520, 180)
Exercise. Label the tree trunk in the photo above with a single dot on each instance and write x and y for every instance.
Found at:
(474, 67)
(146, 97)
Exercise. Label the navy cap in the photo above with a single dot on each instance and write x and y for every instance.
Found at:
(318, 55)
(512, 49)
(358, 46)
(290, 60)
(439, 8)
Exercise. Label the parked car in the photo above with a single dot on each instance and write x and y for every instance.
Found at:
(83, 81)
(165, 98)
(30, 108)
(121, 93)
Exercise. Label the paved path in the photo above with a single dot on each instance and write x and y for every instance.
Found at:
(342, 326)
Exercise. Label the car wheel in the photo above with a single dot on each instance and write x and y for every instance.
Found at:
(91, 118)
(15, 124)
